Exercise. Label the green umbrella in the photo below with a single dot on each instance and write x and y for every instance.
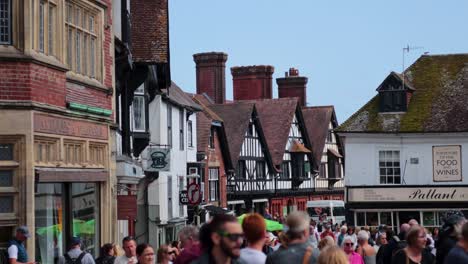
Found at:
(270, 224)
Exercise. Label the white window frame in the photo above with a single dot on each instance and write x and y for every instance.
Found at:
(190, 133)
(388, 167)
(139, 95)
(213, 183)
(181, 129)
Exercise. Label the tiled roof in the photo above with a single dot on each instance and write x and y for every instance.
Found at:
(236, 117)
(204, 120)
(317, 119)
(150, 31)
(178, 97)
(276, 116)
(438, 104)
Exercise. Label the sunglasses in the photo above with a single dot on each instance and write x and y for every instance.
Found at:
(232, 237)
(349, 244)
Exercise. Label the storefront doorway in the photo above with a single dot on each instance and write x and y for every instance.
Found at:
(405, 216)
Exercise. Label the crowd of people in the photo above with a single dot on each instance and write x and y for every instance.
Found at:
(224, 240)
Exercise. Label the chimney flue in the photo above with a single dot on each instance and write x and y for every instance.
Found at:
(211, 76)
(252, 82)
(293, 86)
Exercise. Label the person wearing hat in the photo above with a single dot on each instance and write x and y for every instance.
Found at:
(75, 255)
(17, 253)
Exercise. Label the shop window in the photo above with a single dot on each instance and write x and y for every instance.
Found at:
(74, 152)
(213, 178)
(389, 167)
(372, 219)
(428, 219)
(6, 204)
(361, 219)
(6, 151)
(97, 154)
(83, 36)
(386, 218)
(5, 22)
(46, 150)
(58, 218)
(6, 178)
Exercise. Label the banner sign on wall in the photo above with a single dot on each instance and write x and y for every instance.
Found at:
(409, 194)
(446, 163)
(158, 159)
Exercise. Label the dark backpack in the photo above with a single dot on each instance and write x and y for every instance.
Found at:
(69, 260)
(4, 258)
(401, 244)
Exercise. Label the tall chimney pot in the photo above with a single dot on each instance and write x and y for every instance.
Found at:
(293, 86)
(211, 75)
(252, 82)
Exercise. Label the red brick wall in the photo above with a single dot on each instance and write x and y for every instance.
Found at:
(29, 81)
(293, 87)
(32, 82)
(211, 67)
(252, 82)
(215, 156)
(81, 94)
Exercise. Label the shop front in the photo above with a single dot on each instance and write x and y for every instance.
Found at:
(55, 177)
(392, 206)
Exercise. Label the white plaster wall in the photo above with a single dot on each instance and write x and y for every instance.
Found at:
(116, 18)
(362, 150)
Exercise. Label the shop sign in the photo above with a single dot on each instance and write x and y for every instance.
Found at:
(194, 194)
(68, 127)
(126, 207)
(446, 163)
(158, 159)
(183, 198)
(415, 194)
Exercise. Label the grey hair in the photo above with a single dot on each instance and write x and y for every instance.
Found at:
(363, 235)
(297, 222)
(190, 231)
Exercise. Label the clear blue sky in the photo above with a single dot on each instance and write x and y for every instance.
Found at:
(345, 48)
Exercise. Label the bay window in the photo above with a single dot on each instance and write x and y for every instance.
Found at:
(5, 22)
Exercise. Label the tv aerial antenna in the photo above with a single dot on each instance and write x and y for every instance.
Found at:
(407, 49)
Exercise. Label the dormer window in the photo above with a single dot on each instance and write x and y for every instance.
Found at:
(393, 95)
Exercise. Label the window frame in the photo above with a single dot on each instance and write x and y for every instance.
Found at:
(190, 133)
(387, 167)
(84, 59)
(169, 125)
(213, 183)
(211, 141)
(139, 94)
(260, 170)
(181, 129)
(9, 26)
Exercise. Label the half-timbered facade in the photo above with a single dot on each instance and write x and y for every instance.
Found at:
(327, 151)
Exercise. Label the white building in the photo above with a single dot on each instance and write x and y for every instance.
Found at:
(172, 122)
(406, 149)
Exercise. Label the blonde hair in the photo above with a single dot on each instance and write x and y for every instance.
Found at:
(332, 255)
(327, 241)
(118, 251)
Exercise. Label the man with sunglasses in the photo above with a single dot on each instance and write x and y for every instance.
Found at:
(297, 250)
(221, 239)
(129, 246)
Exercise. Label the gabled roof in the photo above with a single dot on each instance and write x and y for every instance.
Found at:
(236, 117)
(178, 97)
(317, 119)
(438, 104)
(399, 78)
(276, 116)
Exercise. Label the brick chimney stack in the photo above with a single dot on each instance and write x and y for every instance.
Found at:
(211, 75)
(293, 85)
(252, 82)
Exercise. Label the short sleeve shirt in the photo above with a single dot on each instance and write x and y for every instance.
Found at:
(252, 256)
(13, 252)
